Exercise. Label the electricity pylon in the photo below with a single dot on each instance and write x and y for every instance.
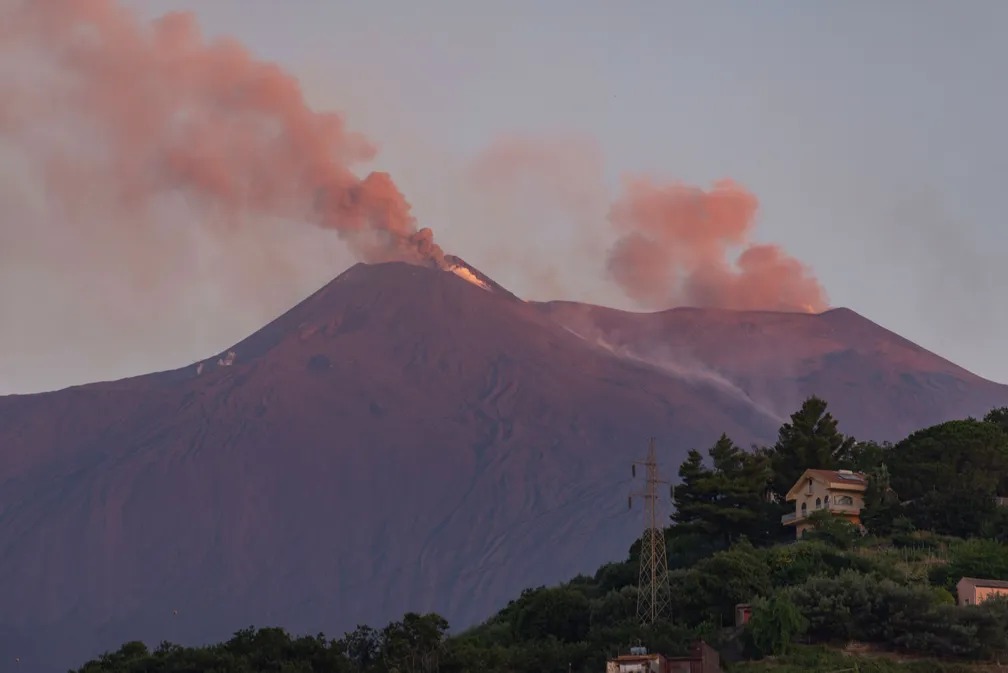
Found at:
(654, 598)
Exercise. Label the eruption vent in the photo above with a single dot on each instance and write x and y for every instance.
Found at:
(156, 112)
(676, 248)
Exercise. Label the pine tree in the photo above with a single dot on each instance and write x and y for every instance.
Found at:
(726, 500)
(810, 440)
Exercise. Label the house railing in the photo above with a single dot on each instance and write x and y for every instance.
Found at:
(791, 517)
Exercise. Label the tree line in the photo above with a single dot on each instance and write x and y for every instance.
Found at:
(931, 518)
(945, 478)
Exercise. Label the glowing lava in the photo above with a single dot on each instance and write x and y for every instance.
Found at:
(465, 273)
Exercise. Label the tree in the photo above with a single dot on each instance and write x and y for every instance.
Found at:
(810, 440)
(413, 644)
(362, 647)
(882, 508)
(694, 495)
(951, 472)
(832, 530)
(999, 417)
(563, 613)
(727, 500)
(865, 457)
(973, 558)
(713, 587)
(774, 625)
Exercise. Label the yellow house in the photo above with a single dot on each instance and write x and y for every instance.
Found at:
(973, 591)
(840, 492)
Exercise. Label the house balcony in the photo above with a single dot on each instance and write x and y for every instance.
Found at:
(794, 517)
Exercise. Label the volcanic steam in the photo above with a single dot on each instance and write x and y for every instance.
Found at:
(120, 118)
(159, 111)
(675, 250)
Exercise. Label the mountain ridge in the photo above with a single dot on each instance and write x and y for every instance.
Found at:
(401, 439)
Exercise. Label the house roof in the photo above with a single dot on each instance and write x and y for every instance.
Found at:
(842, 479)
(986, 584)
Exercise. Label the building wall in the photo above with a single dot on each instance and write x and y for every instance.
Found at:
(652, 664)
(820, 492)
(983, 593)
(969, 594)
(711, 660)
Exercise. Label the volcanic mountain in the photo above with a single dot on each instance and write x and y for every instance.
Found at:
(404, 439)
(879, 384)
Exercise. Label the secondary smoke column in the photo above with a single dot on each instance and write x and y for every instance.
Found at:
(676, 245)
(168, 114)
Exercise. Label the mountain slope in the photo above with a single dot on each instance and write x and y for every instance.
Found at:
(403, 439)
(880, 385)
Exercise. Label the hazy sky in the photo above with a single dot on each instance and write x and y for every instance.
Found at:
(872, 133)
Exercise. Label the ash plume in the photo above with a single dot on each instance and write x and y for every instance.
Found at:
(661, 245)
(151, 178)
(675, 248)
(159, 112)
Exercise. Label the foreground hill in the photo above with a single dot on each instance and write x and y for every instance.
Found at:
(403, 439)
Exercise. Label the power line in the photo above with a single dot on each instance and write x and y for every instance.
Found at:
(654, 597)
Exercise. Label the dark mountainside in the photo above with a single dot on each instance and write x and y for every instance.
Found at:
(401, 440)
(880, 385)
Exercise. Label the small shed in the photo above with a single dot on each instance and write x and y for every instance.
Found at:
(974, 590)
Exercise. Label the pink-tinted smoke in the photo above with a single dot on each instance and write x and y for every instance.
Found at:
(678, 246)
(169, 113)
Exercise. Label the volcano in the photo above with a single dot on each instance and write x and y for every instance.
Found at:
(404, 439)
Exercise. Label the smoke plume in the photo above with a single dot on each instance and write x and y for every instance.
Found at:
(676, 248)
(161, 113)
(155, 186)
(539, 201)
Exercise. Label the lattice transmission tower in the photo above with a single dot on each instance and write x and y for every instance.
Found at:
(655, 599)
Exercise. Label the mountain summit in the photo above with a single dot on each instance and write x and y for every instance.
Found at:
(404, 439)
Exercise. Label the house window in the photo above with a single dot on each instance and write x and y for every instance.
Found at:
(810, 487)
(818, 503)
(845, 500)
(804, 508)
(825, 500)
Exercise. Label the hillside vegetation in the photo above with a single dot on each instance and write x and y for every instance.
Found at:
(931, 519)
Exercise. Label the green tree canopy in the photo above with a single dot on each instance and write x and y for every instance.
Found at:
(560, 612)
(727, 500)
(950, 473)
(999, 417)
(810, 440)
(774, 624)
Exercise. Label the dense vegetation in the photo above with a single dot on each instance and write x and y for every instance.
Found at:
(931, 518)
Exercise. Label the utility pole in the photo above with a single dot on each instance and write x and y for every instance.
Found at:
(654, 598)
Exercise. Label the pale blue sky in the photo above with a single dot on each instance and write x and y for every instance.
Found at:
(872, 132)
